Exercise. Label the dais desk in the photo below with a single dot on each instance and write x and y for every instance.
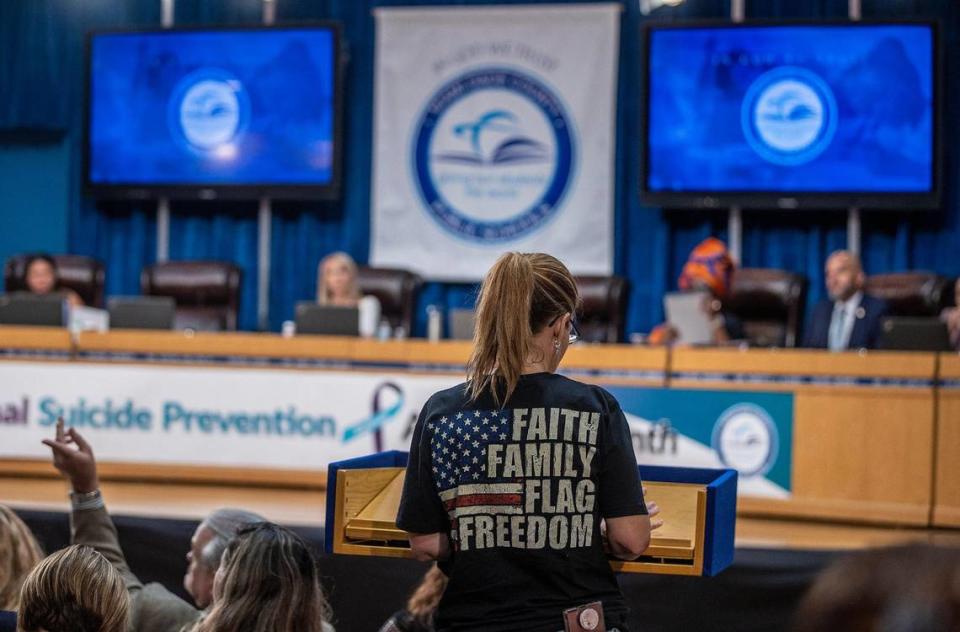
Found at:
(876, 435)
(863, 435)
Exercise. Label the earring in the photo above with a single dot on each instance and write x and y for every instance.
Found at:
(556, 344)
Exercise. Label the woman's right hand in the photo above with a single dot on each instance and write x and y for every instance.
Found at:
(653, 510)
(77, 464)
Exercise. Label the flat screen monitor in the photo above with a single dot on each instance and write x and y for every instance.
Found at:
(792, 115)
(238, 112)
(327, 320)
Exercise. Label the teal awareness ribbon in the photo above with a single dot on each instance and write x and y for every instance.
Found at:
(379, 418)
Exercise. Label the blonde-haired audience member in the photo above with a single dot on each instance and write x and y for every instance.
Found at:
(74, 590)
(267, 580)
(337, 287)
(417, 615)
(19, 553)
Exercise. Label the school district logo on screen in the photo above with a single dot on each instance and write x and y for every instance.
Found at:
(789, 116)
(745, 438)
(493, 155)
(208, 111)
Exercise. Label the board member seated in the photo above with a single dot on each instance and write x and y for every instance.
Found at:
(41, 277)
(850, 319)
(153, 607)
(708, 268)
(337, 287)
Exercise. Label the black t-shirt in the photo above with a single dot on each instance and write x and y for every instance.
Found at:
(521, 491)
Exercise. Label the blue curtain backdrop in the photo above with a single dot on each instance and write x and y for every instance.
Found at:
(41, 88)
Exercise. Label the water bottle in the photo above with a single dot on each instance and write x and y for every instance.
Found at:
(384, 330)
(434, 323)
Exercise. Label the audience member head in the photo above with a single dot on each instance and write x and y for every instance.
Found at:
(956, 292)
(337, 280)
(268, 580)
(525, 315)
(709, 267)
(40, 274)
(74, 590)
(207, 545)
(898, 589)
(423, 603)
(844, 275)
(19, 553)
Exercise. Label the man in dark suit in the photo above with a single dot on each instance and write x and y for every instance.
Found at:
(850, 319)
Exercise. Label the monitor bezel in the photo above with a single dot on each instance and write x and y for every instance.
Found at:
(219, 190)
(792, 200)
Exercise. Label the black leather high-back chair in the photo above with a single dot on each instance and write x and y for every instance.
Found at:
(207, 293)
(604, 303)
(911, 293)
(395, 289)
(770, 304)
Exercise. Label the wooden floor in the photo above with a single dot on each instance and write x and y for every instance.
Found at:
(306, 508)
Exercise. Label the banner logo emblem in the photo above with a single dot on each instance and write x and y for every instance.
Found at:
(493, 155)
(745, 438)
(789, 116)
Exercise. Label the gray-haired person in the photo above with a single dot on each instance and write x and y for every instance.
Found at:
(153, 607)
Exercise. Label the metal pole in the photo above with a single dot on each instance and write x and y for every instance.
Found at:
(738, 11)
(735, 233)
(163, 229)
(265, 221)
(163, 204)
(853, 230)
(854, 227)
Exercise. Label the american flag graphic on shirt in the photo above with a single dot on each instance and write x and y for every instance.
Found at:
(458, 451)
(518, 478)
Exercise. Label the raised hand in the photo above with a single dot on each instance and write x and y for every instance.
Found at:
(76, 463)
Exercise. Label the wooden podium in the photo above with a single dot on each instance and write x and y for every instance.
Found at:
(698, 508)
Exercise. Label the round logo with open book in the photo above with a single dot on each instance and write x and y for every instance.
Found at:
(493, 155)
(208, 111)
(789, 115)
(746, 439)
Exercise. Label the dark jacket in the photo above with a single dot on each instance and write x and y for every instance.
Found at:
(866, 330)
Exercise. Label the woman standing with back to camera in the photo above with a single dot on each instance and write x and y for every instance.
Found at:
(511, 473)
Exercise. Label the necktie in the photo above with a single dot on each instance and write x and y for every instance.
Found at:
(836, 341)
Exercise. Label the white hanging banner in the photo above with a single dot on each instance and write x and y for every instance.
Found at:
(494, 130)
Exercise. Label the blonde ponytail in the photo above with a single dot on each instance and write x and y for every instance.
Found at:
(521, 293)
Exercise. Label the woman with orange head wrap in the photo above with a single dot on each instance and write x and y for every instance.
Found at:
(709, 267)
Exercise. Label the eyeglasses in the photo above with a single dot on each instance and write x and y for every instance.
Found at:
(574, 330)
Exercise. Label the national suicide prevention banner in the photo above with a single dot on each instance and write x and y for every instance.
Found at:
(494, 130)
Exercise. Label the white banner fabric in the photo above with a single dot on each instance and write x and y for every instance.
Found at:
(494, 130)
(279, 418)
